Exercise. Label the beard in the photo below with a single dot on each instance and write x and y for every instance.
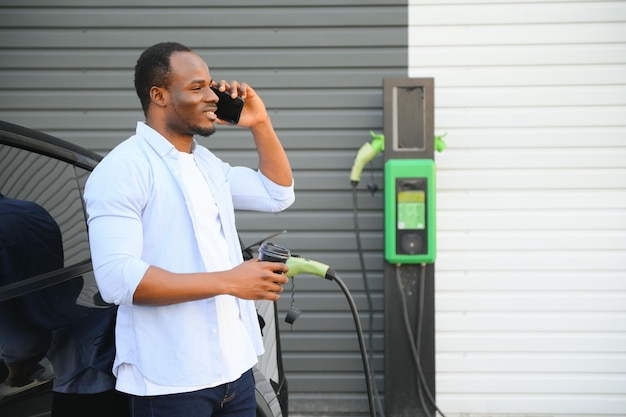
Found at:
(202, 131)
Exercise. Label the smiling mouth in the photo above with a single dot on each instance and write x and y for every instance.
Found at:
(211, 114)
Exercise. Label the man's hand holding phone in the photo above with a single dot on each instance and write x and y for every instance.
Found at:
(251, 115)
(228, 109)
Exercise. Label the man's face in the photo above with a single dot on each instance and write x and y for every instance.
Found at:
(192, 104)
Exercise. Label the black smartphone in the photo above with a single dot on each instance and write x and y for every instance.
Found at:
(228, 108)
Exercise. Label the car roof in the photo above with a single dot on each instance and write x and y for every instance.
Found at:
(42, 143)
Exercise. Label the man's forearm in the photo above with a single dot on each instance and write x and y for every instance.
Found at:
(273, 161)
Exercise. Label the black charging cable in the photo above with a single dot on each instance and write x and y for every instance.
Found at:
(330, 274)
(357, 230)
(359, 331)
(414, 346)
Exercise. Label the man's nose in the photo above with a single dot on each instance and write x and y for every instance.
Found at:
(211, 96)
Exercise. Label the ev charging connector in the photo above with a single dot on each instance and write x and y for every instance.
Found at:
(297, 265)
(365, 154)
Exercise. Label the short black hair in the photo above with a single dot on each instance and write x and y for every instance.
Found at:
(153, 69)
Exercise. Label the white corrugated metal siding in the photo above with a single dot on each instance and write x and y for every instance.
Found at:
(531, 272)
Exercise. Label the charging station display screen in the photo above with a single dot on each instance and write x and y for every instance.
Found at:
(411, 210)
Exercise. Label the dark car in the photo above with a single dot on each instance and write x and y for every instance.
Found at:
(56, 332)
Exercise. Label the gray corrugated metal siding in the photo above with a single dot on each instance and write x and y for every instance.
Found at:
(66, 68)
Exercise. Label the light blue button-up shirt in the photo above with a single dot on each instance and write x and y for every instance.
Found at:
(138, 216)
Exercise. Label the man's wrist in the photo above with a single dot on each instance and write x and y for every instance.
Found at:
(262, 127)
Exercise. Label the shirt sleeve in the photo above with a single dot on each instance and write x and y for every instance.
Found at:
(251, 190)
(115, 229)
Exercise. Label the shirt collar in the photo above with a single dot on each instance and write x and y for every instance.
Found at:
(161, 145)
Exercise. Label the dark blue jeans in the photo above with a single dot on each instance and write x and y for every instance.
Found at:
(235, 399)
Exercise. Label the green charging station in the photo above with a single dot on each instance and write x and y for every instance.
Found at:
(410, 204)
(410, 247)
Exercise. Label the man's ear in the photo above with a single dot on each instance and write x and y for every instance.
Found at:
(158, 95)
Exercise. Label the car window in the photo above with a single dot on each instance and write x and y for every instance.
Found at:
(50, 307)
(53, 185)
